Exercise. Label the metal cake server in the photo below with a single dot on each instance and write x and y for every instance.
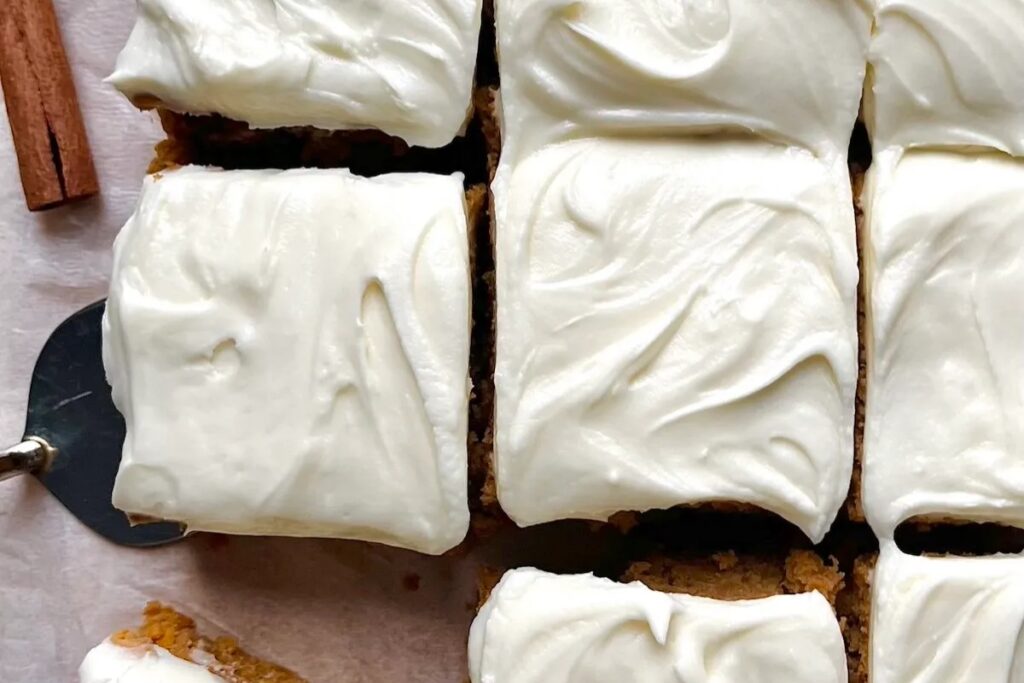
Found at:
(74, 434)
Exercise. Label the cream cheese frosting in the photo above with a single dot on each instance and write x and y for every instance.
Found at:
(947, 619)
(403, 66)
(542, 628)
(790, 70)
(290, 352)
(947, 73)
(944, 261)
(676, 323)
(109, 662)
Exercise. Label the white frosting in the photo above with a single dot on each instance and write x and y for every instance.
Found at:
(290, 352)
(676, 324)
(947, 620)
(948, 72)
(403, 66)
(791, 70)
(542, 628)
(944, 261)
(111, 663)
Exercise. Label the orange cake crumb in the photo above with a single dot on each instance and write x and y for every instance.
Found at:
(728, 576)
(855, 611)
(165, 627)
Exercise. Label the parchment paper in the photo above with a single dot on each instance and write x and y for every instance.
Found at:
(334, 611)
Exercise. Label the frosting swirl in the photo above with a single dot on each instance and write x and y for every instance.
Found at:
(789, 70)
(947, 74)
(402, 66)
(542, 628)
(945, 405)
(676, 324)
(109, 662)
(948, 619)
(290, 352)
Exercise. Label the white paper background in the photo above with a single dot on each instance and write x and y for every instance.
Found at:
(334, 611)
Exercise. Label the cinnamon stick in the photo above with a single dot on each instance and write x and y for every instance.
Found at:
(42, 105)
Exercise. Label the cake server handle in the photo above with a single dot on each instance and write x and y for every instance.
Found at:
(29, 456)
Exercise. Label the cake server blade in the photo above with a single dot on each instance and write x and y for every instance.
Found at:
(74, 434)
